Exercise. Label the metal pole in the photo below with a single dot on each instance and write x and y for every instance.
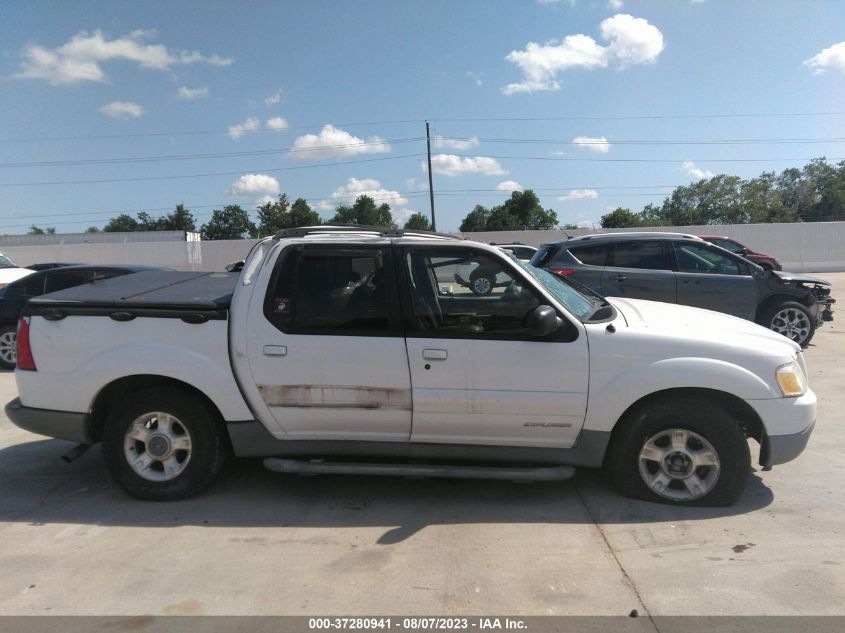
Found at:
(430, 182)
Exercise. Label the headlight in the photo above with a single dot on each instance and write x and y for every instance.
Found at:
(791, 380)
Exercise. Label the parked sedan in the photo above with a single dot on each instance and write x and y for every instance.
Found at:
(15, 295)
(761, 259)
(685, 269)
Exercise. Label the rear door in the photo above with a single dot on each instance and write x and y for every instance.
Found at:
(325, 346)
(710, 278)
(640, 269)
(477, 375)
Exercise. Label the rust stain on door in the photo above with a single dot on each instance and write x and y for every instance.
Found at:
(335, 397)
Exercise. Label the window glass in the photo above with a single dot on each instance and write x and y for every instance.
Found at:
(592, 255)
(647, 254)
(467, 294)
(700, 258)
(29, 286)
(331, 290)
(5, 262)
(733, 247)
(521, 252)
(60, 281)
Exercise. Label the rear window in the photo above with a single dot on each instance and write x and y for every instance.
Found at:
(543, 255)
(592, 255)
(645, 254)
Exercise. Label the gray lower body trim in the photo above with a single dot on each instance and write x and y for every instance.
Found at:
(63, 425)
(779, 449)
(250, 438)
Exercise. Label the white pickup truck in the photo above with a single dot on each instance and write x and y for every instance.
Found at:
(337, 350)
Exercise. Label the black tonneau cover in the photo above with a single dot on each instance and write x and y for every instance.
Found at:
(192, 296)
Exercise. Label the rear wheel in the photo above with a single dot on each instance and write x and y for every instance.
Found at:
(681, 452)
(791, 319)
(163, 444)
(8, 347)
(482, 283)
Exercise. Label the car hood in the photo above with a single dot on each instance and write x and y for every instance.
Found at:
(799, 278)
(695, 325)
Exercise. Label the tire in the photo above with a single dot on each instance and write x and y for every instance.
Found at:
(705, 434)
(791, 319)
(8, 349)
(167, 423)
(482, 283)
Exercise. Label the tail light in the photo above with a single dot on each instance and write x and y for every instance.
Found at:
(24, 350)
(563, 272)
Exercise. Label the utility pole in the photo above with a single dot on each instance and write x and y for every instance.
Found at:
(430, 182)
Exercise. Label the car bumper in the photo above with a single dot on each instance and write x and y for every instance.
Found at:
(787, 425)
(63, 425)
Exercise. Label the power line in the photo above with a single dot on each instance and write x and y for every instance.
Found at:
(205, 175)
(176, 157)
(641, 160)
(642, 117)
(764, 141)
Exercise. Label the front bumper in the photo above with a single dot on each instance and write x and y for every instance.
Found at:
(787, 425)
(63, 425)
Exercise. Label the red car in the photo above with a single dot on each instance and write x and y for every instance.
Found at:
(761, 259)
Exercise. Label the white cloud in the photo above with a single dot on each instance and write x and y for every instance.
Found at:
(277, 123)
(579, 194)
(189, 94)
(442, 142)
(630, 41)
(348, 193)
(273, 99)
(831, 57)
(452, 165)
(268, 199)
(412, 184)
(558, 152)
(598, 144)
(254, 185)
(696, 172)
(250, 125)
(615, 4)
(509, 185)
(332, 142)
(80, 58)
(122, 109)
(477, 78)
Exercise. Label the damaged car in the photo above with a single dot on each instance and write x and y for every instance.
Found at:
(685, 269)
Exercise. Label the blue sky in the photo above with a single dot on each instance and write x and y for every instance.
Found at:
(214, 95)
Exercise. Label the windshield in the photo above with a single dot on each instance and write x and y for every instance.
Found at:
(5, 262)
(578, 304)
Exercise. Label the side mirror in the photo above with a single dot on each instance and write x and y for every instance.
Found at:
(543, 321)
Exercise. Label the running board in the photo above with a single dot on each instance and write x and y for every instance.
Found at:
(299, 467)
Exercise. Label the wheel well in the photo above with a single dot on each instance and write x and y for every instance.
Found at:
(769, 303)
(115, 391)
(749, 421)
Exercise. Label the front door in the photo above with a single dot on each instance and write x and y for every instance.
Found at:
(710, 278)
(477, 375)
(325, 346)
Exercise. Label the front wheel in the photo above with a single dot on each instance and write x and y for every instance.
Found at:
(482, 283)
(163, 444)
(8, 347)
(681, 453)
(791, 319)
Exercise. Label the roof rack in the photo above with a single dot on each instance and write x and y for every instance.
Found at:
(635, 234)
(327, 229)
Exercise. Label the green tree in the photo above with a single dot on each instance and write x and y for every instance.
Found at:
(476, 220)
(121, 223)
(92, 229)
(620, 218)
(522, 211)
(279, 214)
(418, 222)
(35, 230)
(180, 219)
(229, 223)
(364, 211)
(301, 214)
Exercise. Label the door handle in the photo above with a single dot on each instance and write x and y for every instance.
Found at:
(275, 350)
(435, 354)
(620, 277)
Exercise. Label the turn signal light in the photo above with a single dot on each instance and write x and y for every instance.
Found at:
(25, 359)
(563, 272)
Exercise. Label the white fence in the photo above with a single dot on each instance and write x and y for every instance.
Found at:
(801, 247)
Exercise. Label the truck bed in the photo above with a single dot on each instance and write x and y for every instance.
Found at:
(148, 293)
